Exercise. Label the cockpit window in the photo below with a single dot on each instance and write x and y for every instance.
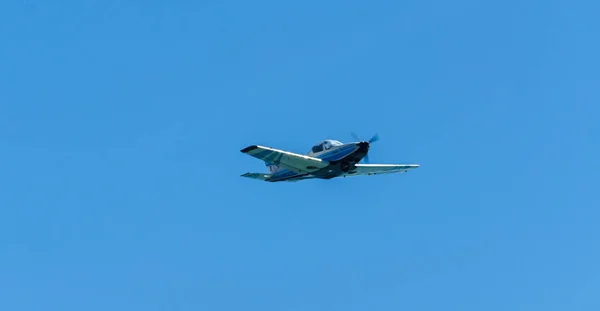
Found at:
(325, 145)
(317, 148)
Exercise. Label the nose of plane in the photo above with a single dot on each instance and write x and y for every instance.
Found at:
(363, 145)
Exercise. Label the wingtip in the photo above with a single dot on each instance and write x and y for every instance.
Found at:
(248, 149)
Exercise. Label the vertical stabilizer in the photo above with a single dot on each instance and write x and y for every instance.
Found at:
(272, 168)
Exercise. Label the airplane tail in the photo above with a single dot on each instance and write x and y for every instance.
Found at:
(259, 176)
(272, 168)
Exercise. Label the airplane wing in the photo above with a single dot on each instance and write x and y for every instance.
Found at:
(378, 169)
(292, 161)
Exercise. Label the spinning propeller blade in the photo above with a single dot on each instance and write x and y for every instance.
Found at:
(372, 140)
(366, 158)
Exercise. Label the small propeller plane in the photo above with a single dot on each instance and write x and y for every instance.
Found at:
(325, 160)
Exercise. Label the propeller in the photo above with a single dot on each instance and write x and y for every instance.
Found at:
(373, 139)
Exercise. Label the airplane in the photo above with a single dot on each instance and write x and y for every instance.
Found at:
(326, 160)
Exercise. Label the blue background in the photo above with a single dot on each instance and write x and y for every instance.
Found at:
(121, 124)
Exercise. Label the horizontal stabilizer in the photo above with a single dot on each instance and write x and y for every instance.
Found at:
(259, 176)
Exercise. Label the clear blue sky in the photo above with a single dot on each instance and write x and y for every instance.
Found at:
(121, 124)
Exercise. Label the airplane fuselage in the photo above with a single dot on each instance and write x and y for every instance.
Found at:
(342, 158)
(325, 160)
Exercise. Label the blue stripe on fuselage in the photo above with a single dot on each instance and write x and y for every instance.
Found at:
(337, 154)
